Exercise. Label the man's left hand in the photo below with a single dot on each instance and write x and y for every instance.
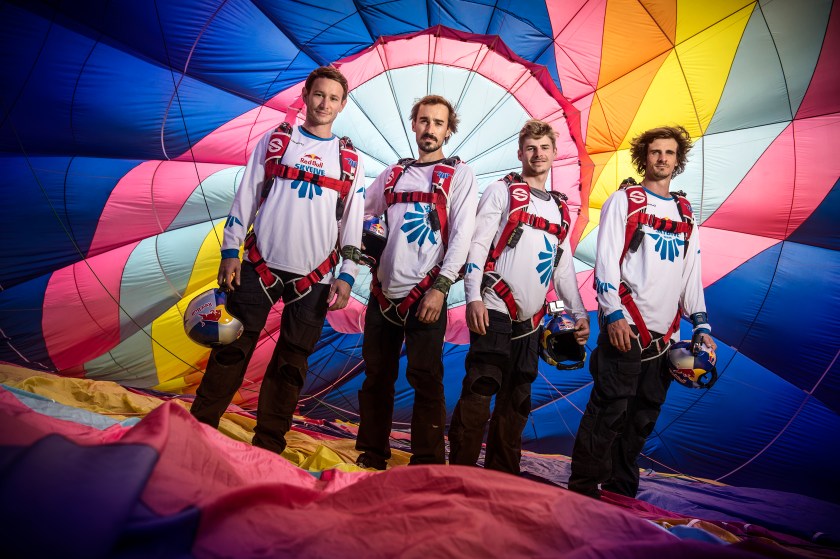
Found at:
(581, 331)
(339, 289)
(430, 306)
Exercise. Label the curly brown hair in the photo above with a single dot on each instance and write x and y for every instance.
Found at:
(329, 72)
(639, 146)
(536, 129)
(437, 100)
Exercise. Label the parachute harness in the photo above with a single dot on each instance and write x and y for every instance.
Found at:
(519, 196)
(274, 168)
(633, 236)
(442, 174)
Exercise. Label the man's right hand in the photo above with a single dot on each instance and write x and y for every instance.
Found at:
(229, 271)
(477, 317)
(621, 336)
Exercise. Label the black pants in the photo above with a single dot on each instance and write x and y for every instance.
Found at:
(381, 350)
(625, 402)
(300, 327)
(495, 364)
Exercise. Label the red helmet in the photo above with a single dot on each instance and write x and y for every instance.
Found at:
(208, 322)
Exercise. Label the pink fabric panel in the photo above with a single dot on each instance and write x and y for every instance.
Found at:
(723, 251)
(232, 142)
(578, 29)
(81, 308)
(146, 200)
(764, 204)
(350, 319)
(456, 326)
(817, 164)
(823, 95)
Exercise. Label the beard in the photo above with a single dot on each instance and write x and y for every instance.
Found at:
(429, 144)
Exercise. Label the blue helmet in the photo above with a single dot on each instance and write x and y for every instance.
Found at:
(690, 370)
(208, 322)
(374, 238)
(558, 346)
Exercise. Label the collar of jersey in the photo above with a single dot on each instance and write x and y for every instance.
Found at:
(308, 134)
(655, 195)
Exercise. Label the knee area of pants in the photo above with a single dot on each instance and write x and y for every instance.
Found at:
(291, 375)
(229, 355)
(484, 386)
(618, 424)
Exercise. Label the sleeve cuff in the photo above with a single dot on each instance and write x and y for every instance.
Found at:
(230, 253)
(613, 316)
(343, 276)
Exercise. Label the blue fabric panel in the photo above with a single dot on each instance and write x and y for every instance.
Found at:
(746, 313)
(323, 32)
(821, 228)
(393, 18)
(81, 496)
(21, 313)
(54, 203)
(79, 89)
(181, 35)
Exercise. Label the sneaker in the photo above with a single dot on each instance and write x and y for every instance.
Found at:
(367, 461)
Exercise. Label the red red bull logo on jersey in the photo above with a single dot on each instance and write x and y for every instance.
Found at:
(311, 160)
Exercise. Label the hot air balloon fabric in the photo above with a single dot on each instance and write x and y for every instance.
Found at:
(126, 126)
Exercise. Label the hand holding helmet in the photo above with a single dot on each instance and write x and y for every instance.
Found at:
(690, 370)
(559, 346)
(207, 321)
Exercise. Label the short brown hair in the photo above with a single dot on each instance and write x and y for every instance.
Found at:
(536, 129)
(329, 72)
(639, 146)
(437, 100)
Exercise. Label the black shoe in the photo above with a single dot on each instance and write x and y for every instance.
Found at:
(367, 461)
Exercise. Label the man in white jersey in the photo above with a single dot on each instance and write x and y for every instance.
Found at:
(645, 280)
(429, 206)
(504, 336)
(306, 192)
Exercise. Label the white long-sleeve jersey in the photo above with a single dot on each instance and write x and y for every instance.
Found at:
(527, 267)
(296, 226)
(413, 248)
(661, 274)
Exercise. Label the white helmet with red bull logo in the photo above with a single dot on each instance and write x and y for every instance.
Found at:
(208, 322)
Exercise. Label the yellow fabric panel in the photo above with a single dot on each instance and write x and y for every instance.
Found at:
(631, 38)
(668, 101)
(693, 16)
(168, 328)
(617, 105)
(594, 220)
(606, 173)
(664, 13)
(175, 354)
(706, 59)
(102, 397)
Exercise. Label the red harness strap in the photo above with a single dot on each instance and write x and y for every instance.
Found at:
(413, 296)
(492, 280)
(274, 168)
(438, 197)
(301, 284)
(636, 218)
(519, 196)
(644, 334)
